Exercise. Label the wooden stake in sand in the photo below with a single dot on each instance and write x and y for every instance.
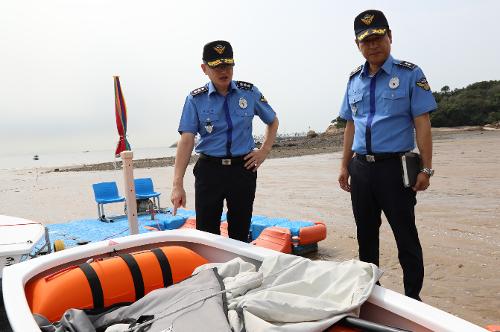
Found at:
(128, 177)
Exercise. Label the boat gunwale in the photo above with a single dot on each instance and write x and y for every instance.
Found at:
(16, 277)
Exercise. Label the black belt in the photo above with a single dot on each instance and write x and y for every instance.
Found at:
(371, 158)
(226, 161)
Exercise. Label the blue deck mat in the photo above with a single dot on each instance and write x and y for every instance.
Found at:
(259, 224)
(294, 226)
(188, 214)
(83, 231)
(93, 230)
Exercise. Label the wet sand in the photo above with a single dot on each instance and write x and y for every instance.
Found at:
(458, 217)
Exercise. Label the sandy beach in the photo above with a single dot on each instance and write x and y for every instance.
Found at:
(458, 217)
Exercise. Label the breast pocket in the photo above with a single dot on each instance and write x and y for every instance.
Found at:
(356, 104)
(395, 102)
(209, 122)
(245, 116)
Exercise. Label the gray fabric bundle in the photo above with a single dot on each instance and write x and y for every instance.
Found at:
(187, 306)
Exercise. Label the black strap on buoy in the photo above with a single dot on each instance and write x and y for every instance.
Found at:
(95, 285)
(166, 271)
(135, 271)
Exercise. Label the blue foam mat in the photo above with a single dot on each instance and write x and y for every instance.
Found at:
(82, 231)
(92, 230)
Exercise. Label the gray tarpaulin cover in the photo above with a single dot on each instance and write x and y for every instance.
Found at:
(287, 293)
(290, 293)
(174, 302)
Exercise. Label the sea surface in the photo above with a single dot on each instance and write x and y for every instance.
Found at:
(64, 159)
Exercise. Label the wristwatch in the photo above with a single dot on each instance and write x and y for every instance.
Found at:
(428, 171)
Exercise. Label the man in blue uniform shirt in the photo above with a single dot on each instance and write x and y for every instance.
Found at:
(386, 100)
(221, 112)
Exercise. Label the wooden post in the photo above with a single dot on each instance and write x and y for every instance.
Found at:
(128, 177)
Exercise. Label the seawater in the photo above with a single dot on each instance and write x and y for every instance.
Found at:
(75, 158)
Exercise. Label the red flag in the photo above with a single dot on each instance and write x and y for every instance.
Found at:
(121, 118)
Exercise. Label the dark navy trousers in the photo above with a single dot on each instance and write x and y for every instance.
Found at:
(215, 182)
(377, 187)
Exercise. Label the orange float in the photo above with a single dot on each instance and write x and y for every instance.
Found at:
(223, 229)
(105, 282)
(191, 223)
(312, 234)
(275, 238)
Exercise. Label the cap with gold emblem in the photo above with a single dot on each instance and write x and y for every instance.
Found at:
(218, 53)
(370, 22)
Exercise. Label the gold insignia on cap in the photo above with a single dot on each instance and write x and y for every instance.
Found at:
(218, 62)
(219, 49)
(363, 35)
(378, 31)
(369, 32)
(367, 19)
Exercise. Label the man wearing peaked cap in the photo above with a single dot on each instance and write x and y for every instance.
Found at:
(218, 53)
(221, 113)
(369, 23)
(386, 105)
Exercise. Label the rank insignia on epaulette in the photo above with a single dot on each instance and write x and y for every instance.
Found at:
(263, 99)
(355, 71)
(407, 64)
(199, 91)
(244, 85)
(422, 83)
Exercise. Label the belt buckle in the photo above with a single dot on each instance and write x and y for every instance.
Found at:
(370, 158)
(226, 162)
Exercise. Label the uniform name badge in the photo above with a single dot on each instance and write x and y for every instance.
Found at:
(209, 126)
(243, 103)
(394, 83)
(354, 109)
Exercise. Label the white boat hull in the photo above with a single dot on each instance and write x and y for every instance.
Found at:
(18, 237)
(384, 306)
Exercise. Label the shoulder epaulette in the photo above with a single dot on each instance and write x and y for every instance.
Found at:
(199, 91)
(355, 71)
(407, 65)
(244, 85)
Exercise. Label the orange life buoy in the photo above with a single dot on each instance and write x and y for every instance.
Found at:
(103, 283)
(312, 234)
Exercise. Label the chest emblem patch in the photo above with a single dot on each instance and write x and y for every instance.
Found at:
(209, 127)
(243, 103)
(394, 83)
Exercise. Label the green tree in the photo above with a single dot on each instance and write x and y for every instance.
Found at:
(476, 104)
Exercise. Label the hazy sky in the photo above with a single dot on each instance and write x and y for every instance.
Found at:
(57, 59)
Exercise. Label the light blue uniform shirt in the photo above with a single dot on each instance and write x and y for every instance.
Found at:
(224, 122)
(383, 107)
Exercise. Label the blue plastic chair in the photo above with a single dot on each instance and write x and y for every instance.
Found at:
(105, 193)
(144, 190)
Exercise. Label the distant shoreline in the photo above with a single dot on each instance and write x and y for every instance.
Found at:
(283, 148)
